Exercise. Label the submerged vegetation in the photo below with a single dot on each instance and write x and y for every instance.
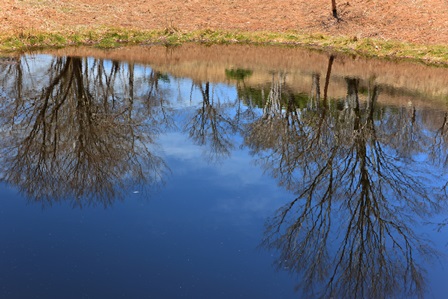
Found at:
(171, 36)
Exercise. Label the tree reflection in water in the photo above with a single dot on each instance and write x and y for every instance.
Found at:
(86, 135)
(348, 233)
(214, 124)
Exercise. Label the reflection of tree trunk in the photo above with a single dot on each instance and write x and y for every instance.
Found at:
(131, 89)
(360, 140)
(19, 100)
(327, 79)
(206, 93)
(83, 108)
(413, 115)
(371, 102)
(153, 84)
(19, 80)
(315, 90)
(352, 100)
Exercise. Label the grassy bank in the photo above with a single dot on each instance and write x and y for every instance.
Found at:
(112, 38)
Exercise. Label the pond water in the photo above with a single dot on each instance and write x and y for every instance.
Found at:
(221, 172)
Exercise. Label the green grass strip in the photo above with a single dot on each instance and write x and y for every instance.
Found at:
(112, 38)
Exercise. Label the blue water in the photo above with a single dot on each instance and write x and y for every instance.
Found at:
(212, 199)
(197, 237)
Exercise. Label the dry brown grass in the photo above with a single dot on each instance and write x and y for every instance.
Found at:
(418, 21)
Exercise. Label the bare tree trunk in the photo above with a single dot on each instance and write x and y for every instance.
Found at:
(333, 8)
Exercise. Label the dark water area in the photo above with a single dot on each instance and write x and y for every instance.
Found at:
(172, 177)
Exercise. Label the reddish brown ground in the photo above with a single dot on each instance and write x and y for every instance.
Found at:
(420, 21)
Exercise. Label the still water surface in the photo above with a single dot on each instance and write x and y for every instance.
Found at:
(183, 178)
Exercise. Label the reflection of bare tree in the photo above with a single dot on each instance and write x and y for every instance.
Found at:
(247, 113)
(348, 233)
(80, 137)
(284, 131)
(411, 139)
(211, 125)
